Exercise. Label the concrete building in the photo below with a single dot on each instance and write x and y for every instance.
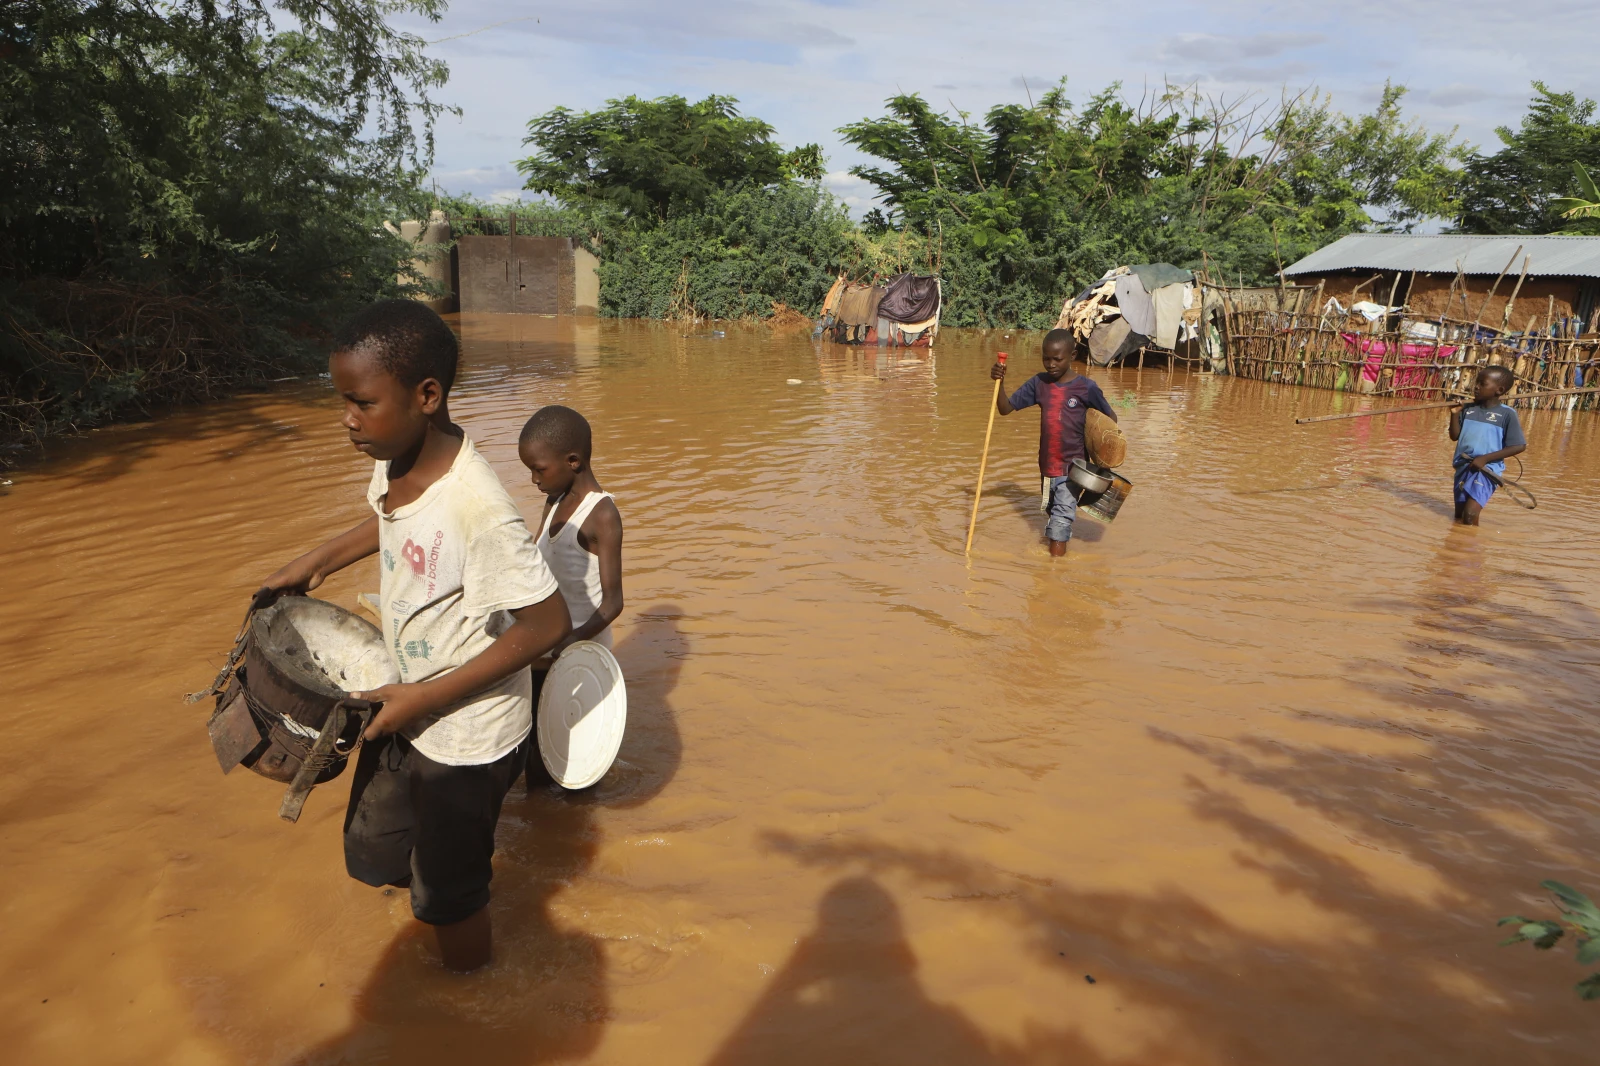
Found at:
(527, 276)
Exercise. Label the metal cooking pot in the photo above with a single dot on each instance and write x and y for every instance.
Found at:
(300, 659)
(1081, 475)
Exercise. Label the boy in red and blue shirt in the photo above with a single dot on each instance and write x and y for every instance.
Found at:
(1064, 399)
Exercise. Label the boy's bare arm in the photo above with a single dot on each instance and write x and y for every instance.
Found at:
(312, 568)
(1456, 414)
(536, 630)
(603, 534)
(1481, 461)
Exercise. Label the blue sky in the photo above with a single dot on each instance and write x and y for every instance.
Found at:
(809, 66)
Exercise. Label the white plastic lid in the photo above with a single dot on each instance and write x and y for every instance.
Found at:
(583, 710)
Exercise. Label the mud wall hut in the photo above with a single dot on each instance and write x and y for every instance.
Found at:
(1542, 281)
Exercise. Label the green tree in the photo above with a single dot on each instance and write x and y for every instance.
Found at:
(1586, 204)
(647, 157)
(1517, 189)
(187, 194)
(1034, 202)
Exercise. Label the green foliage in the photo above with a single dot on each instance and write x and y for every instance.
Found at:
(1520, 188)
(1586, 204)
(1034, 202)
(188, 194)
(693, 209)
(1577, 911)
(649, 157)
(747, 248)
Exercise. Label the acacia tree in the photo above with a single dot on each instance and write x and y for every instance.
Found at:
(1519, 188)
(649, 157)
(698, 210)
(188, 170)
(1034, 201)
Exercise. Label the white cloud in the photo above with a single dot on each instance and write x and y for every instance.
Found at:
(810, 67)
(858, 195)
(1223, 49)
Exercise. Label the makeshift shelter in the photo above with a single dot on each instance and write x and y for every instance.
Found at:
(901, 312)
(1499, 282)
(1415, 316)
(1149, 306)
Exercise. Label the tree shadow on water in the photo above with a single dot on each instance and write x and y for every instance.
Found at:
(544, 997)
(1442, 782)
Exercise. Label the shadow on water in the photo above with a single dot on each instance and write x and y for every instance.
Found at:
(849, 994)
(544, 998)
(1430, 839)
(1434, 502)
(1026, 503)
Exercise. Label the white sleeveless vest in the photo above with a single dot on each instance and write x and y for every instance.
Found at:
(576, 571)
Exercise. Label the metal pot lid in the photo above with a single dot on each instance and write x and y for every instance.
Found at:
(583, 710)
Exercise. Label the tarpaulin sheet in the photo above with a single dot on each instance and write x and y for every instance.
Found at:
(858, 305)
(910, 298)
(1159, 275)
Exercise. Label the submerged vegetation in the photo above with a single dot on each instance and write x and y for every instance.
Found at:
(191, 193)
(1579, 912)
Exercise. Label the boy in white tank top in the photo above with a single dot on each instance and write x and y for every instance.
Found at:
(581, 531)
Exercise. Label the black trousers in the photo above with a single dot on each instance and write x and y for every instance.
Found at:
(417, 821)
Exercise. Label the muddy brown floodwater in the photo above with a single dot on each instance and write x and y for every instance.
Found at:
(1266, 757)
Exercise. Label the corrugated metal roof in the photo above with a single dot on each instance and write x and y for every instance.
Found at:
(1438, 254)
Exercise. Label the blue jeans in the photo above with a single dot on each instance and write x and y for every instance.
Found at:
(1061, 510)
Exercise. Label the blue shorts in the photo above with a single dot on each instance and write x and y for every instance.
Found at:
(1060, 510)
(1473, 485)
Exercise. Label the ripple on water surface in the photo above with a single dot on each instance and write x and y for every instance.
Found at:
(1266, 757)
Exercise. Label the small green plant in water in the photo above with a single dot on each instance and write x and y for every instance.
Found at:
(1577, 911)
(1129, 399)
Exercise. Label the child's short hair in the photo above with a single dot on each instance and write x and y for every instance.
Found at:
(1058, 336)
(561, 429)
(409, 340)
(1507, 378)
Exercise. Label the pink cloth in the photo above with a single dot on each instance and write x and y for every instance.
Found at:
(1410, 353)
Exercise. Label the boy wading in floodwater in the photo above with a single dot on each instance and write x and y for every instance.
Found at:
(467, 604)
(580, 536)
(1064, 398)
(1486, 432)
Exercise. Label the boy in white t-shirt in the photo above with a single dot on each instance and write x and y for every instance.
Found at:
(467, 604)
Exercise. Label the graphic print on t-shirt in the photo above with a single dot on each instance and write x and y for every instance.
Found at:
(457, 559)
(1063, 407)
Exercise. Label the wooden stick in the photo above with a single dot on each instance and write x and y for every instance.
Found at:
(1506, 270)
(1437, 406)
(1505, 319)
(983, 466)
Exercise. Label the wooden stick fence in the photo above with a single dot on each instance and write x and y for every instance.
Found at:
(1407, 356)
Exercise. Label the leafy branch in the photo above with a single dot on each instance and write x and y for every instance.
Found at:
(1577, 911)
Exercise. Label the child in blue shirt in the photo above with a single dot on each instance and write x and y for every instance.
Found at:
(1487, 433)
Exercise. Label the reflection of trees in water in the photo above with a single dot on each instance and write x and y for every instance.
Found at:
(544, 998)
(1476, 731)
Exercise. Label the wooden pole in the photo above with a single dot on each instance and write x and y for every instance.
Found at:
(1440, 405)
(983, 466)
(1505, 319)
(1504, 271)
